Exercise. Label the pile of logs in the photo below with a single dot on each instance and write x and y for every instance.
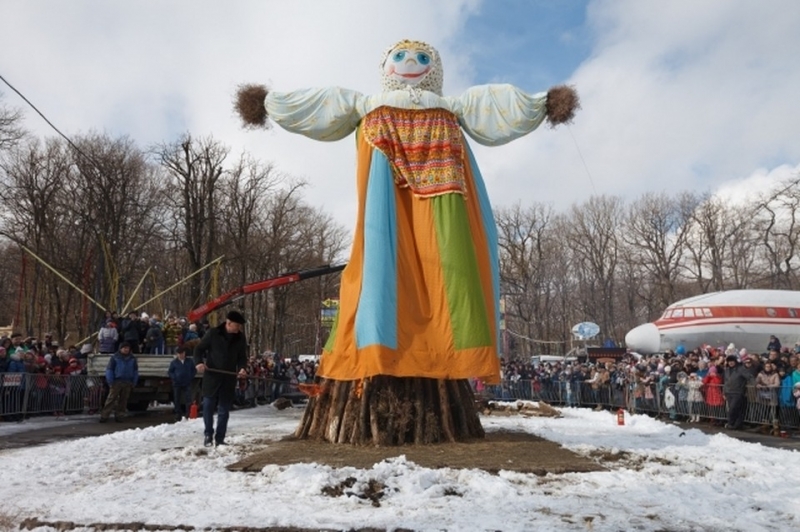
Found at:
(389, 411)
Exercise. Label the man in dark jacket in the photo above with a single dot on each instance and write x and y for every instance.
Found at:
(182, 372)
(735, 387)
(122, 374)
(221, 353)
(130, 331)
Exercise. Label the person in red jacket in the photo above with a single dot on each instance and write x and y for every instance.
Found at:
(73, 367)
(712, 391)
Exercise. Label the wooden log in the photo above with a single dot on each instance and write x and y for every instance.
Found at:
(406, 413)
(418, 412)
(431, 413)
(316, 431)
(473, 419)
(308, 416)
(349, 418)
(446, 414)
(459, 414)
(391, 401)
(361, 428)
(374, 398)
(336, 410)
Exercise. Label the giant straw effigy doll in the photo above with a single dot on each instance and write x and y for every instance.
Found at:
(418, 308)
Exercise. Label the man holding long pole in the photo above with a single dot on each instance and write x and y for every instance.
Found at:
(221, 353)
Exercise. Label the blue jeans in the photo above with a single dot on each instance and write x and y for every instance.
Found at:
(223, 412)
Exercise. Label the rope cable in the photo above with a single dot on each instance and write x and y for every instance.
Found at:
(523, 337)
(49, 123)
(585, 166)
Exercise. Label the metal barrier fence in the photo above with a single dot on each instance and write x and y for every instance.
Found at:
(765, 406)
(30, 394)
(26, 394)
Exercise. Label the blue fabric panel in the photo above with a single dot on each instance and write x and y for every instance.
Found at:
(376, 318)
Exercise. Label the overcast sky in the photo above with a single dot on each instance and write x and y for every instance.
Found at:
(681, 95)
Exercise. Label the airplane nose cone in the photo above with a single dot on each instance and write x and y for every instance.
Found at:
(644, 339)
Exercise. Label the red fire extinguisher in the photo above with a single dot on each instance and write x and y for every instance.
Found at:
(193, 411)
(620, 417)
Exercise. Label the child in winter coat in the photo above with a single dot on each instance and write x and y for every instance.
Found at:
(694, 397)
(108, 337)
(712, 391)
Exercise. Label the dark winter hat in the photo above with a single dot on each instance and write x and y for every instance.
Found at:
(236, 317)
(731, 357)
(124, 344)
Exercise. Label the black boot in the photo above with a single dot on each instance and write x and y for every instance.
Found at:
(208, 441)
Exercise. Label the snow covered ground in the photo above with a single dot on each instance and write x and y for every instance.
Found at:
(669, 479)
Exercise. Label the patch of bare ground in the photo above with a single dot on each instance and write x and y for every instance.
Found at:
(502, 450)
(499, 450)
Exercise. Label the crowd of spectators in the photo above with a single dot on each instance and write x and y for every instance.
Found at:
(19, 354)
(684, 385)
(269, 374)
(29, 355)
(146, 334)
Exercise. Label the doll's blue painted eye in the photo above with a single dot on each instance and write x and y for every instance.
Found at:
(423, 58)
(399, 56)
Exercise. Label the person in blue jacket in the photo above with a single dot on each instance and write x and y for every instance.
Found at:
(122, 374)
(182, 372)
(12, 387)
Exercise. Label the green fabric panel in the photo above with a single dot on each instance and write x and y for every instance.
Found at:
(332, 336)
(461, 275)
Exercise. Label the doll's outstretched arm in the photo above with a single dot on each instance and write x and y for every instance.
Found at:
(496, 114)
(328, 114)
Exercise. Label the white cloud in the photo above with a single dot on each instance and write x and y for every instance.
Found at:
(676, 96)
(743, 191)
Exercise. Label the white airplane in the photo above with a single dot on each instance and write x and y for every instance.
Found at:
(745, 318)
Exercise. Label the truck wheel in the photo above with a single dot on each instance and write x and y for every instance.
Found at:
(141, 406)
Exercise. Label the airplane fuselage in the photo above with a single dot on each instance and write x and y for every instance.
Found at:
(746, 318)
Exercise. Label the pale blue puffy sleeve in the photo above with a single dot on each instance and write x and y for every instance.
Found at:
(496, 114)
(330, 113)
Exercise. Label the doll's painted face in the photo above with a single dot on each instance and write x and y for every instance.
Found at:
(407, 64)
(412, 64)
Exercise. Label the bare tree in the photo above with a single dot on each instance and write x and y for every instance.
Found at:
(34, 179)
(527, 252)
(656, 230)
(244, 194)
(777, 216)
(11, 131)
(116, 199)
(593, 241)
(720, 246)
(194, 169)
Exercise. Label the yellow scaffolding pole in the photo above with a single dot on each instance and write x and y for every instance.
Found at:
(213, 262)
(111, 271)
(84, 294)
(138, 286)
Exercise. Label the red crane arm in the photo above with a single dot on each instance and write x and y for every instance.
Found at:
(238, 293)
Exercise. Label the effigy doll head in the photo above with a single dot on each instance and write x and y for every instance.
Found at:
(412, 65)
